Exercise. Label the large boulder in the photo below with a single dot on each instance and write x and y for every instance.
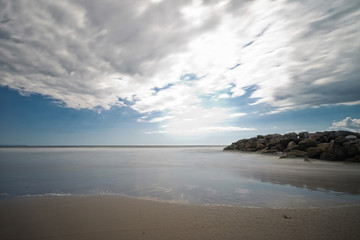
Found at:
(272, 136)
(274, 141)
(343, 133)
(281, 142)
(323, 137)
(319, 136)
(354, 159)
(333, 152)
(323, 146)
(266, 150)
(291, 135)
(304, 135)
(260, 146)
(286, 140)
(259, 136)
(351, 149)
(279, 147)
(351, 138)
(241, 146)
(233, 146)
(329, 135)
(251, 146)
(314, 152)
(291, 145)
(340, 140)
(329, 156)
(254, 139)
(296, 153)
(263, 141)
(308, 142)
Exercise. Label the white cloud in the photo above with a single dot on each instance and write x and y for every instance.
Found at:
(203, 130)
(198, 120)
(235, 115)
(174, 98)
(155, 132)
(351, 124)
(223, 96)
(223, 129)
(156, 1)
(95, 55)
(161, 119)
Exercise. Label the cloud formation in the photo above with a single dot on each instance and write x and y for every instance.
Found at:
(166, 56)
(350, 124)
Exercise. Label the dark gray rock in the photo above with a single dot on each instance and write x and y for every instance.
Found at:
(269, 151)
(273, 142)
(351, 149)
(323, 146)
(328, 145)
(291, 145)
(272, 136)
(314, 152)
(354, 159)
(304, 135)
(357, 159)
(260, 146)
(297, 153)
(251, 150)
(251, 145)
(263, 141)
(330, 135)
(316, 136)
(340, 140)
(285, 141)
(333, 152)
(308, 142)
(279, 147)
(351, 138)
(343, 133)
(231, 147)
(291, 135)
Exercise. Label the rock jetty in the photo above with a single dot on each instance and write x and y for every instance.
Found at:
(328, 145)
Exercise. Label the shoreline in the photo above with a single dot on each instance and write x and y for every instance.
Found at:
(61, 196)
(54, 196)
(114, 217)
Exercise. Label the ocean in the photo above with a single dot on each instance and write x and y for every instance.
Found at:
(203, 175)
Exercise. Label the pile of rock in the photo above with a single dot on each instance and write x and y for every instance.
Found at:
(328, 145)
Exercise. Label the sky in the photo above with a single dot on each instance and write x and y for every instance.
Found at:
(173, 72)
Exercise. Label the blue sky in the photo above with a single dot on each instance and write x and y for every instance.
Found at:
(176, 72)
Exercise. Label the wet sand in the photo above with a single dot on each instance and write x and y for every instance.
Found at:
(116, 217)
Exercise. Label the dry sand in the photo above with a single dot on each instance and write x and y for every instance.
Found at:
(116, 217)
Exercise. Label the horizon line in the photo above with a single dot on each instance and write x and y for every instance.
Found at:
(132, 145)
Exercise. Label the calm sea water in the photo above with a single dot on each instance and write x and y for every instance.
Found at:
(195, 175)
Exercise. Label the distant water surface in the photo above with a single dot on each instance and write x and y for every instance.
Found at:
(195, 175)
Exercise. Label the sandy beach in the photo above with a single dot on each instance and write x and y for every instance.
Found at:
(117, 217)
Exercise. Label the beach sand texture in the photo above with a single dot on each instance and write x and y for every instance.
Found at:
(117, 217)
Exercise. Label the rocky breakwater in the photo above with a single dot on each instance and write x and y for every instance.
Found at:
(328, 145)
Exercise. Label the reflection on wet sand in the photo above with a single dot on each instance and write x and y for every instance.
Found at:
(317, 176)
